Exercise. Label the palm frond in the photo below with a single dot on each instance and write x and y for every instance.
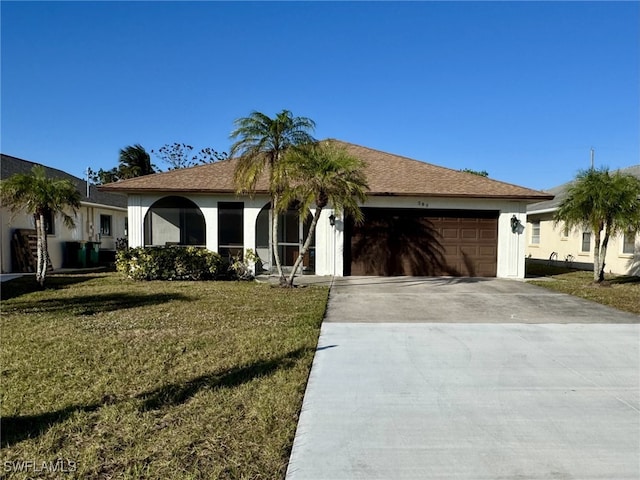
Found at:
(322, 174)
(260, 142)
(34, 193)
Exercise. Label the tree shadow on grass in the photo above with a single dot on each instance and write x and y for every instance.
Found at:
(178, 393)
(625, 279)
(27, 284)
(92, 304)
(18, 428)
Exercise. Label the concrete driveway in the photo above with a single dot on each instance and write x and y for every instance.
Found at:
(423, 378)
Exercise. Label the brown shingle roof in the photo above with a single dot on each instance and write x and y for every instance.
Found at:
(387, 174)
(211, 178)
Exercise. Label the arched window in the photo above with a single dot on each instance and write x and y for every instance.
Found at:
(174, 221)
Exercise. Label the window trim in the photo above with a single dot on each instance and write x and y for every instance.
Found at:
(624, 243)
(110, 231)
(535, 237)
(226, 249)
(582, 250)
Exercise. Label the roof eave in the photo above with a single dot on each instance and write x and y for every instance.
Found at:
(533, 198)
(102, 205)
(139, 190)
(541, 211)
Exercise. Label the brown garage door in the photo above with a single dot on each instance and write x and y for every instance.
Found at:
(423, 243)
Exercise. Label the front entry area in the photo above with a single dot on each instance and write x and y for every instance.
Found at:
(291, 235)
(398, 242)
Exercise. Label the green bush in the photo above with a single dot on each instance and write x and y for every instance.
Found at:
(169, 263)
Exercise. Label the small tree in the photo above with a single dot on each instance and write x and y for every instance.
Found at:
(180, 155)
(104, 176)
(40, 196)
(260, 144)
(322, 174)
(604, 203)
(480, 173)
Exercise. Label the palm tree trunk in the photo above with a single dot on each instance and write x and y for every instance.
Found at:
(274, 238)
(41, 238)
(305, 246)
(603, 254)
(596, 256)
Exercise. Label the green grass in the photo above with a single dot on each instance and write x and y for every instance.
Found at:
(184, 380)
(619, 292)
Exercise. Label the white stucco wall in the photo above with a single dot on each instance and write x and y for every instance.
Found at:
(330, 239)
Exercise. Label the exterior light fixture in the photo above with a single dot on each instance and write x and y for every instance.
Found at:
(332, 220)
(515, 224)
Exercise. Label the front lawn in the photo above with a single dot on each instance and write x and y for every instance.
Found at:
(620, 292)
(120, 379)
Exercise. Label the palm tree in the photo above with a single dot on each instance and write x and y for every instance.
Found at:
(260, 142)
(323, 174)
(39, 196)
(134, 161)
(603, 203)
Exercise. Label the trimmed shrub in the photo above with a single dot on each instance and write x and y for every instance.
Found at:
(169, 263)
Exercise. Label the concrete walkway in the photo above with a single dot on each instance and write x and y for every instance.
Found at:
(462, 379)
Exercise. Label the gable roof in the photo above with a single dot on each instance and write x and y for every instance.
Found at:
(386, 173)
(10, 166)
(560, 192)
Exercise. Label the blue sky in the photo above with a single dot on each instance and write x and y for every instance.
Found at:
(520, 89)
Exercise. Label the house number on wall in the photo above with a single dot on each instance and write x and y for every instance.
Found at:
(422, 204)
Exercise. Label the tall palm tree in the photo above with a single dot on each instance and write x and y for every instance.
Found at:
(260, 142)
(134, 161)
(323, 174)
(603, 203)
(39, 196)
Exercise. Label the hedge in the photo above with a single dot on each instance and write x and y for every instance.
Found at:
(170, 263)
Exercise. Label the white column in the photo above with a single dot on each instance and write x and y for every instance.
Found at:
(136, 221)
(511, 246)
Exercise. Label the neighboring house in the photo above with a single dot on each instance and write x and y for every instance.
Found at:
(420, 219)
(547, 241)
(101, 218)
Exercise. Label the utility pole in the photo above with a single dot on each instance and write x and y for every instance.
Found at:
(593, 154)
(88, 172)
